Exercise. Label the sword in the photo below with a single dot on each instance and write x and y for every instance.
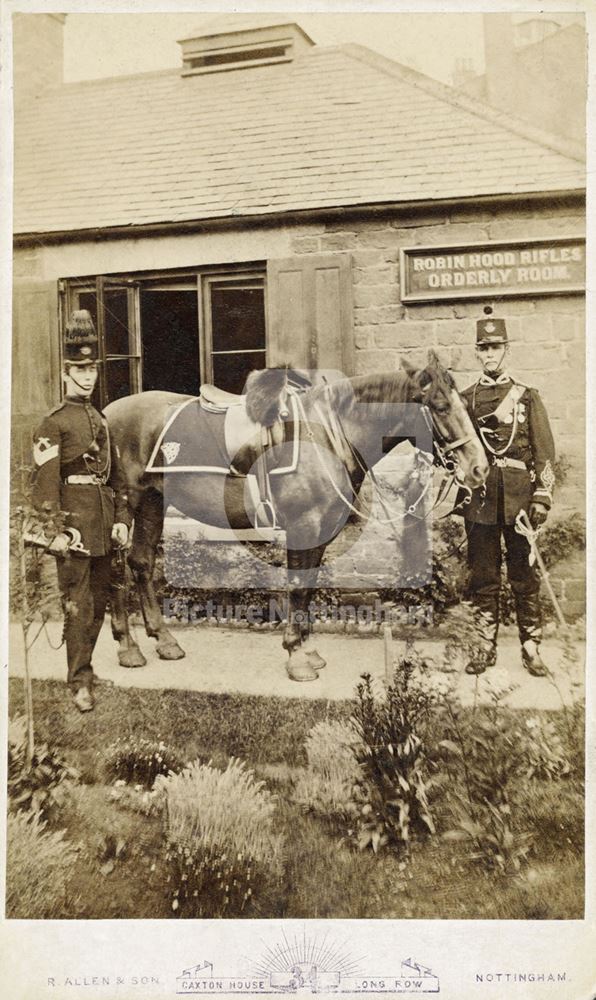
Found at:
(38, 540)
(523, 527)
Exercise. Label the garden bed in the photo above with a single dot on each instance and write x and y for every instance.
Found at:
(120, 868)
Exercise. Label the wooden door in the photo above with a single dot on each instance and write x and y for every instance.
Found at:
(310, 314)
(35, 365)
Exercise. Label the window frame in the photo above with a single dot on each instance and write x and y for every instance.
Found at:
(207, 281)
(201, 278)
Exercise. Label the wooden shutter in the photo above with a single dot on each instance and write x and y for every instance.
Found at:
(35, 362)
(309, 312)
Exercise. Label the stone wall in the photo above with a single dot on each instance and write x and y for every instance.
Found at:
(546, 333)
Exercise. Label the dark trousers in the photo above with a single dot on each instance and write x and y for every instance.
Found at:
(484, 562)
(84, 588)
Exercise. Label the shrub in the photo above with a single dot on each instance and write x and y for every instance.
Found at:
(39, 587)
(545, 753)
(137, 799)
(487, 756)
(394, 730)
(329, 785)
(42, 787)
(37, 868)
(557, 541)
(221, 846)
(137, 760)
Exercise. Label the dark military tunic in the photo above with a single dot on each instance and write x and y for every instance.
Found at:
(513, 426)
(73, 441)
(77, 474)
(511, 422)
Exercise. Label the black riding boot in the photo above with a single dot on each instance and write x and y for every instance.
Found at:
(487, 617)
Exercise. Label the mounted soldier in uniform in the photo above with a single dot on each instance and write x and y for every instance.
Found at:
(513, 426)
(77, 479)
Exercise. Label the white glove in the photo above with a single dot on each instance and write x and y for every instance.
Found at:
(120, 534)
(60, 544)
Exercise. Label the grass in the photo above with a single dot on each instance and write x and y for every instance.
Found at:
(194, 724)
(324, 876)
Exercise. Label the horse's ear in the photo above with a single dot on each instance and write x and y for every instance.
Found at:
(408, 367)
(433, 359)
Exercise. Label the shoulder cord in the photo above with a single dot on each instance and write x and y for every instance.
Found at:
(496, 451)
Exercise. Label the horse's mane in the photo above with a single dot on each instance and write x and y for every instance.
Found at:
(263, 388)
(381, 387)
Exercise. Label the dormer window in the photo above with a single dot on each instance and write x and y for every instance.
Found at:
(230, 50)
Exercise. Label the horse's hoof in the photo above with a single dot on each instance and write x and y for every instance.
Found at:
(298, 668)
(131, 657)
(170, 650)
(315, 660)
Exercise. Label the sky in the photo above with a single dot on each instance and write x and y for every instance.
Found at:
(114, 44)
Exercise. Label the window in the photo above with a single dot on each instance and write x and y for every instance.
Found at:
(112, 304)
(235, 339)
(173, 330)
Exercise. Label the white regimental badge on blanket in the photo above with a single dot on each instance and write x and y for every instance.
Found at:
(170, 451)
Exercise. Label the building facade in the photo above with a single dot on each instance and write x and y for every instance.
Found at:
(274, 201)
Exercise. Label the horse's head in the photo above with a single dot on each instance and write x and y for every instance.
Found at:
(453, 434)
(267, 393)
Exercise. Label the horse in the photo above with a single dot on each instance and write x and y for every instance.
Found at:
(335, 433)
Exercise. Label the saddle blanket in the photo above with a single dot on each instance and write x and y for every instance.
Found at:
(195, 439)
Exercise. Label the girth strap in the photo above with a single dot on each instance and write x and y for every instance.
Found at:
(265, 507)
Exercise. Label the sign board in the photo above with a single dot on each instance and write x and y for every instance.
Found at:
(493, 270)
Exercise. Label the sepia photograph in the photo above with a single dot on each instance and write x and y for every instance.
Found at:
(296, 501)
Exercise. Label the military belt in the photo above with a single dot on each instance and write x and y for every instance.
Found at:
(85, 481)
(509, 463)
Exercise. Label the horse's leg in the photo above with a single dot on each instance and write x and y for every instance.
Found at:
(147, 533)
(129, 654)
(302, 665)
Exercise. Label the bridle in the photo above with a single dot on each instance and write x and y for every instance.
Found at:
(443, 452)
(442, 457)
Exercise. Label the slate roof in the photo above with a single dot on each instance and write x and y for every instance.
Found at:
(340, 126)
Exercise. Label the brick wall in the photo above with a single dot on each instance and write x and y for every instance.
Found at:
(547, 333)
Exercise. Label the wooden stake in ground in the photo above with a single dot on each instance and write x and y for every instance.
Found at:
(387, 639)
(26, 620)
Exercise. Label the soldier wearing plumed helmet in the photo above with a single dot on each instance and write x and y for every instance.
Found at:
(77, 476)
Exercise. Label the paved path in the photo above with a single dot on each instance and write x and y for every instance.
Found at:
(223, 659)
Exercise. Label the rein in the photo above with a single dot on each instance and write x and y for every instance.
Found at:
(332, 425)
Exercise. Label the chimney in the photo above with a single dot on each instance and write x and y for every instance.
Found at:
(243, 45)
(499, 48)
(38, 53)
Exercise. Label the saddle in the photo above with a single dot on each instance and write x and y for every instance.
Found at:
(213, 434)
(246, 441)
(218, 400)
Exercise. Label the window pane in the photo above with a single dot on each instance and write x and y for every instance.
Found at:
(230, 370)
(116, 320)
(237, 317)
(117, 379)
(88, 300)
(170, 332)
